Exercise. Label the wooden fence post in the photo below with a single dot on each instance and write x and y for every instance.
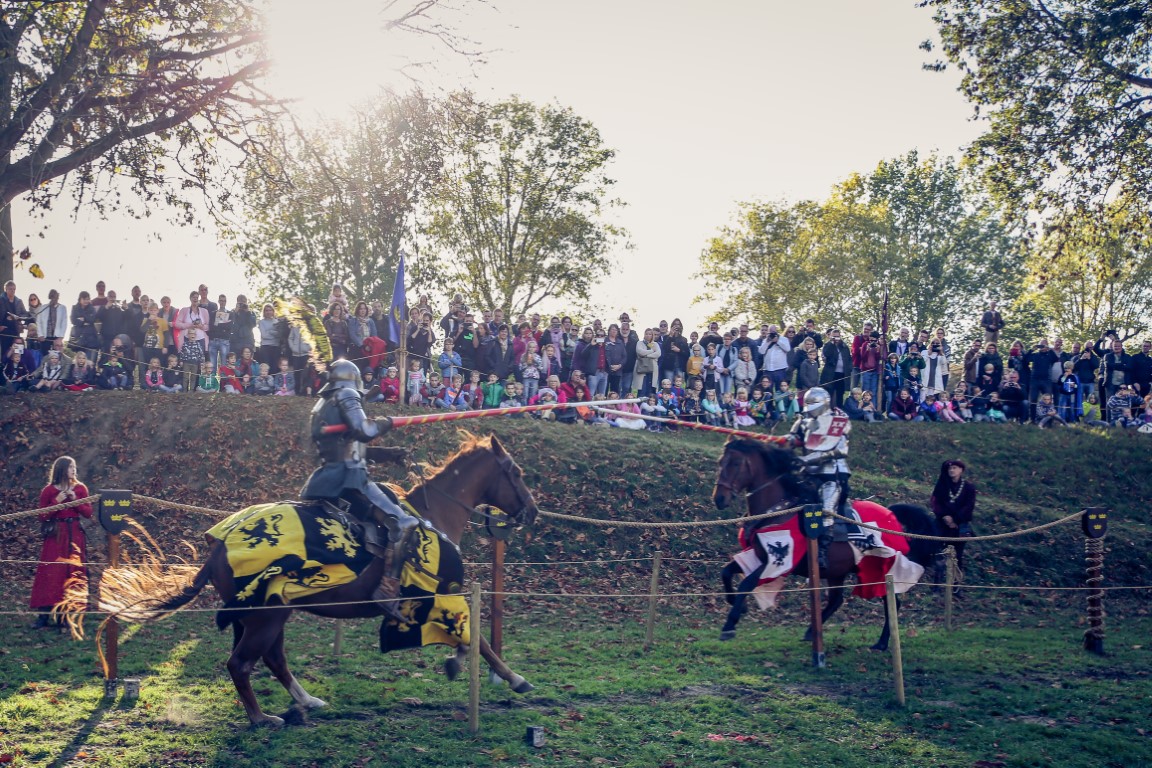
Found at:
(894, 622)
(653, 590)
(497, 618)
(474, 661)
(949, 584)
(114, 510)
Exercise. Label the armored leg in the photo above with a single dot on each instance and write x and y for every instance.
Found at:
(830, 501)
(401, 527)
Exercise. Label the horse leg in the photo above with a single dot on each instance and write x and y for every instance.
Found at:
(882, 643)
(835, 593)
(454, 663)
(515, 681)
(277, 662)
(260, 631)
(740, 603)
(727, 576)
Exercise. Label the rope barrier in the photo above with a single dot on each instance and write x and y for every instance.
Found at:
(686, 524)
(599, 595)
(966, 539)
(53, 508)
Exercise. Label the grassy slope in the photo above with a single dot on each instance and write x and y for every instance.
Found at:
(1025, 704)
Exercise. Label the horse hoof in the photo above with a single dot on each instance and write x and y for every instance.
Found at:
(879, 648)
(452, 668)
(728, 634)
(808, 636)
(313, 703)
(524, 687)
(268, 721)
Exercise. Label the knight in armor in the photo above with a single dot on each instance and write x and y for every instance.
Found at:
(343, 473)
(821, 432)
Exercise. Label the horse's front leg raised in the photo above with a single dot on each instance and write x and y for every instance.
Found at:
(739, 600)
(260, 631)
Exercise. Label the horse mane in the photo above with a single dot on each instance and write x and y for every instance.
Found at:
(777, 461)
(469, 443)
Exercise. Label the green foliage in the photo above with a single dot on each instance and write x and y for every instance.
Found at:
(94, 90)
(342, 200)
(1065, 90)
(918, 228)
(520, 214)
(1092, 271)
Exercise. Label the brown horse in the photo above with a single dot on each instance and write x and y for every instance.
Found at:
(480, 473)
(767, 476)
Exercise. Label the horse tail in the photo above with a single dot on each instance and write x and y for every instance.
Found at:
(916, 519)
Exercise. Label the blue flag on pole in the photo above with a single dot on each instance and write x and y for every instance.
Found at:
(396, 317)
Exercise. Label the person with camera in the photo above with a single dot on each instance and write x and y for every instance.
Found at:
(837, 367)
(192, 326)
(774, 352)
(859, 342)
(1039, 360)
(871, 363)
(590, 358)
(462, 342)
(64, 551)
(421, 338)
(1115, 368)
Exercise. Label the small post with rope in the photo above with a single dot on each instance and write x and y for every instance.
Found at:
(1094, 523)
(812, 525)
(653, 596)
(115, 509)
(474, 660)
(894, 622)
(949, 584)
(496, 524)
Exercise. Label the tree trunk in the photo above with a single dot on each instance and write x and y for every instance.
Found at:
(6, 248)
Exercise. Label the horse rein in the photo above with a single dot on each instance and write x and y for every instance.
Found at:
(505, 463)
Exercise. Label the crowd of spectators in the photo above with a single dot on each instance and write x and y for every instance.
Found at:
(468, 360)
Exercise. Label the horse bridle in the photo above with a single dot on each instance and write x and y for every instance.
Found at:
(732, 489)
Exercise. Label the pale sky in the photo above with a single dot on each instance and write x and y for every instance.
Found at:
(706, 106)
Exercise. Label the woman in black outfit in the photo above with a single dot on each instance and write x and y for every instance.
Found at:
(953, 502)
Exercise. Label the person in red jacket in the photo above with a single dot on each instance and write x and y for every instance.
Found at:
(64, 553)
(859, 341)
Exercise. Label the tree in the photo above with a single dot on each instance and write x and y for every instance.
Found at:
(1093, 272)
(96, 90)
(914, 228)
(520, 213)
(342, 201)
(1066, 91)
(949, 250)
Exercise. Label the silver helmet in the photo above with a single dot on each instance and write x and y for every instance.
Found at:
(817, 401)
(342, 374)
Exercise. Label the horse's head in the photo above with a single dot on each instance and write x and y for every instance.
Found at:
(733, 476)
(751, 466)
(506, 489)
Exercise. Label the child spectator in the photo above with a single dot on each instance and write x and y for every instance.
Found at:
(229, 381)
(82, 376)
(368, 378)
(1069, 407)
(208, 380)
(512, 396)
(912, 384)
(1046, 412)
(531, 369)
(787, 406)
(263, 384)
(453, 397)
(1092, 415)
(892, 376)
(961, 405)
(741, 409)
(113, 374)
(905, 407)
(191, 356)
(867, 407)
(433, 391)
(474, 390)
(390, 385)
(652, 407)
(758, 408)
(545, 396)
(668, 399)
(629, 422)
(944, 410)
(415, 382)
(691, 409)
(493, 392)
(852, 404)
(996, 413)
(154, 329)
(728, 409)
(449, 361)
(285, 380)
(51, 374)
(153, 380)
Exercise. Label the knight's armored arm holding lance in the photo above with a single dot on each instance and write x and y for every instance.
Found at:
(821, 432)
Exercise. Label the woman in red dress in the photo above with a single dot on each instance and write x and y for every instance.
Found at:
(65, 550)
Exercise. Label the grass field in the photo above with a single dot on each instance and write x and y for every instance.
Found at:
(1009, 687)
(997, 691)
